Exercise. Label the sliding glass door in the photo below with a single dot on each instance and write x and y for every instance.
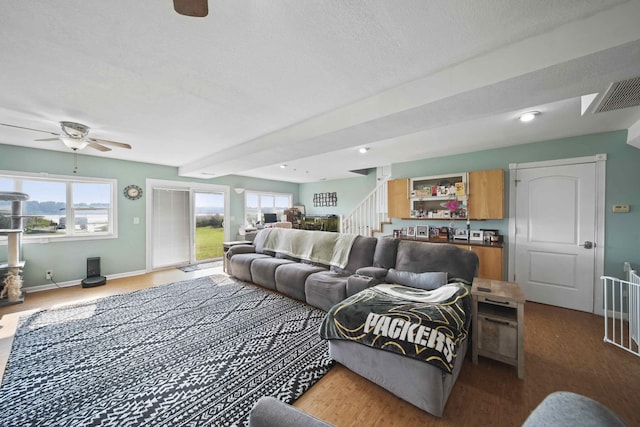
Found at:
(209, 225)
(186, 223)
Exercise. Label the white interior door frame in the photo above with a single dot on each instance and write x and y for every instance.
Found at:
(600, 161)
(192, 187)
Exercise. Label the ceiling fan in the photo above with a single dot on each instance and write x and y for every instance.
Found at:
(197, 8)
(75, 136)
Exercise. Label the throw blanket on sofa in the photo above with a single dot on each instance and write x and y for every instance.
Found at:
(315, 246)
(425, 325)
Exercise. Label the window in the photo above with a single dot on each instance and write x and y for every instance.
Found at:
(60, 206)
(256, 204)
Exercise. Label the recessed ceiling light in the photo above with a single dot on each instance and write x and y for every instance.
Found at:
(283, 166)
(529, 116)
(363, 150)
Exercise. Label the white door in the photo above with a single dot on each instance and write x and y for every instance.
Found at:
(555, 234)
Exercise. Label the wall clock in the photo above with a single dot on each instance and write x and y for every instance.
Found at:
(132, 192)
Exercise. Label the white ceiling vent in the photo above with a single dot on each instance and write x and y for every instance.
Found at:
(623, 94)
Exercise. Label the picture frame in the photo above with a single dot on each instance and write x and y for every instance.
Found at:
(411, 231)
(422, 231)
(461, 234)
(476, 236)
(443, 233)
(488, 233)
(434, 232)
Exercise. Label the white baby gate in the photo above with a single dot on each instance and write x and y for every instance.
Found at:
(622, 312)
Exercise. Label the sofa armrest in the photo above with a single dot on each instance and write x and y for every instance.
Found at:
(240, 249)
(563, 408)
(357, 283)
(376, 272)
(270, 412)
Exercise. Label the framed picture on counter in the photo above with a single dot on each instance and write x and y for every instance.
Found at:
(422, 231)
(487, 234)
(476, 236)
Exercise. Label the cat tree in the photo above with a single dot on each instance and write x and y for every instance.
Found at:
(12, 281)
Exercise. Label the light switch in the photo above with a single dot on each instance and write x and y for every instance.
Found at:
(620, 208)
(136, 220)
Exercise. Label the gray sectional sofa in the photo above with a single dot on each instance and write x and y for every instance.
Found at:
(323, 268)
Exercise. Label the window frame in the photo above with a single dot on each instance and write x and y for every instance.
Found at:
(275, 195)
(70, 233)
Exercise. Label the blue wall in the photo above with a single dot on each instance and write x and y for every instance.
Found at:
(127, 253)
(622, 231)
(349, 191)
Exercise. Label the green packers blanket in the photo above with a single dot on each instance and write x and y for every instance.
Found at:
(424, 325)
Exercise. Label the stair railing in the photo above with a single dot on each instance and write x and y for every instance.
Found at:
(369, 215)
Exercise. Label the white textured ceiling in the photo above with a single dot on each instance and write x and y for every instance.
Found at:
(260, 83)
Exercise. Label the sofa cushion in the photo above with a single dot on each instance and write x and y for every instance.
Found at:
(385, 253)
(361, 255)
(418, 257)
(263, 271)
(427, 281)
(290, 279)
(325, 289)
(240, 265)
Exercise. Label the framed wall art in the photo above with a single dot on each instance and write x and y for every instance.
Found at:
(325, 199)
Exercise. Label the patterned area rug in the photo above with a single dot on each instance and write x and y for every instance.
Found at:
(193, 353)
(201, 266)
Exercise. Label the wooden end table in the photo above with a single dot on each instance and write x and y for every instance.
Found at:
(498, 322)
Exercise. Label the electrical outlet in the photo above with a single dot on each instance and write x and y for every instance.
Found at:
(48, 274)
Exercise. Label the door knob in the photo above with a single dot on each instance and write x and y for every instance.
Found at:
(588, 245)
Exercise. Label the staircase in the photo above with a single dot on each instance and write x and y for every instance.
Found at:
(369, 216)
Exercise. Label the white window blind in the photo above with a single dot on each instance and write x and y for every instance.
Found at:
(171, 227)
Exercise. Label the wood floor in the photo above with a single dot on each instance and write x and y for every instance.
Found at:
(564, 350)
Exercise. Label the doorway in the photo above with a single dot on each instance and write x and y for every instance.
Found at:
(186, 223)
(209, 225)
(556, 230)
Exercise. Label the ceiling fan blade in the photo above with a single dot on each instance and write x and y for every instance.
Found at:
(107, 142)
(197, 8)
(97, 146)
(47, 139)
(22, 127)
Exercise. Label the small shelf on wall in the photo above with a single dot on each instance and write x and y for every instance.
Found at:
(439, 197)
(5, 265)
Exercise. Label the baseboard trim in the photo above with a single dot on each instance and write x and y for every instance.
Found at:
(78, 282)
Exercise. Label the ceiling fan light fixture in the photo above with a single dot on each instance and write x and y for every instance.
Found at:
(529, 116)
(363, 150)
(74, 130)
(74, 143)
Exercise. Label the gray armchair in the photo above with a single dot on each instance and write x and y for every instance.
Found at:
(271, 412)
(559, 409)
